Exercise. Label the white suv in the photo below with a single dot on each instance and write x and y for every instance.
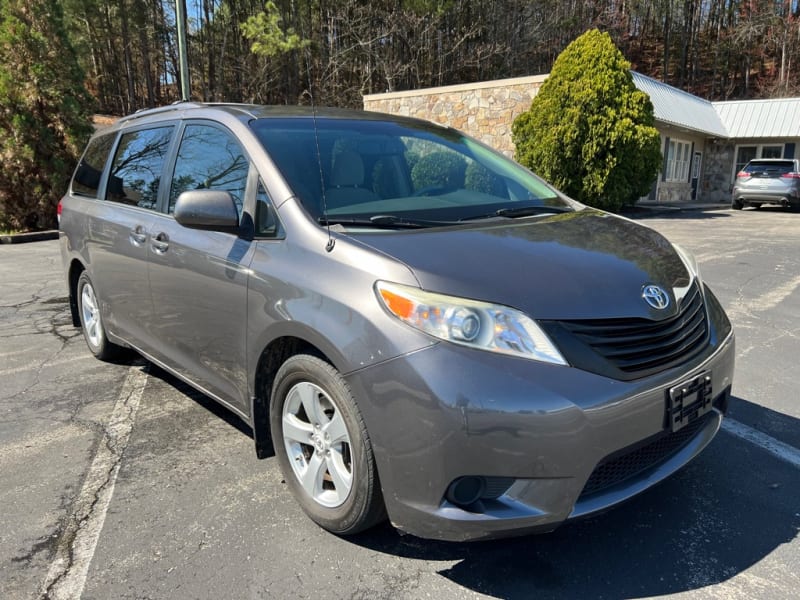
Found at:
(768, 181)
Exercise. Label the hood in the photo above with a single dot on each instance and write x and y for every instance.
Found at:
(581, 265)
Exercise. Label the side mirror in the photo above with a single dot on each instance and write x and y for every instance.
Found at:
(207, 209)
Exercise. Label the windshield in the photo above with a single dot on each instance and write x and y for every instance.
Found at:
(363, 172)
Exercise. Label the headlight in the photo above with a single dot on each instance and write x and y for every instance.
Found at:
(470, 323)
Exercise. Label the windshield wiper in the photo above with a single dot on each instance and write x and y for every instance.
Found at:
(523, 211)
(406, 222)
(384, 222)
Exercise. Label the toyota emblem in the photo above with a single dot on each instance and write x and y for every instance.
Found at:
(655, 297)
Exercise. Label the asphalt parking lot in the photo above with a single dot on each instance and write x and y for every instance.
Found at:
(117, 481)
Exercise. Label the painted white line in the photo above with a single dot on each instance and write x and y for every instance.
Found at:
(765, 301)
(39, 442)
(17, 352)
(37, 366)
(66, 577)
(775, 447)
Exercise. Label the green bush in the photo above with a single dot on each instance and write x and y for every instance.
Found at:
(481, 179)
(438, 170)
(412, 158)
(44, 112)
(589, 131)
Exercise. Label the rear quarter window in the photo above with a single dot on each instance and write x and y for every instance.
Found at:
(136, 171)
(86, 180)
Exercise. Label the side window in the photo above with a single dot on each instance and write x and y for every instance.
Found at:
(209, 159)
(266, 221)
(87, 176)
(136, 170)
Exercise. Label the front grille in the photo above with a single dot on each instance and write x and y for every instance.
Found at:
(632, 461)
(640, 347)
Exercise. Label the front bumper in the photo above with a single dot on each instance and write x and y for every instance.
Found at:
(448, 412)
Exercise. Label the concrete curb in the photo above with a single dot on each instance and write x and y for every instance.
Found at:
(35, 236)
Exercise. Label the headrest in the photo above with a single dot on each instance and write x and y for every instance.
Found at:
(348, 170)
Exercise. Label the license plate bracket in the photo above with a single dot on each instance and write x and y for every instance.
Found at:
(689, 400)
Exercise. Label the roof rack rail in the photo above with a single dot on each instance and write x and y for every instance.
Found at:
(245, 107)
(142, 112)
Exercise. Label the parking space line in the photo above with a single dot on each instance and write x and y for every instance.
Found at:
(18, 352)
(36, 366)
(775, 447)
(766, 301)
(66, 576)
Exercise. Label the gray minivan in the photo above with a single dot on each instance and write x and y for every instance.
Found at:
(416, 326)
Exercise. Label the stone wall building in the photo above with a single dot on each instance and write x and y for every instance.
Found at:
(704, 144)
(483, 110)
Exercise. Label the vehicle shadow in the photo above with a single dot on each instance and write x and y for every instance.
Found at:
(778, 425)
(772, 208)
(211, 405)
(725, 512)
(722, 514)
(643, 214)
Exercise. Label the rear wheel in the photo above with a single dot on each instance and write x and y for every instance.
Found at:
(323, 448)
(736, 204)
(92, 322)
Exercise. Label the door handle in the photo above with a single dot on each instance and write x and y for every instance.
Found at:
(160, 243)
(138, 235)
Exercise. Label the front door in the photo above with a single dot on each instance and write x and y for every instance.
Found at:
(696, 164)
(198, 279)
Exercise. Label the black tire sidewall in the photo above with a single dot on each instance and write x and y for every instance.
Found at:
(357, 512)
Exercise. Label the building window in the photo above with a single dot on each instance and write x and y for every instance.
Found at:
(772, 151)
(679, 154)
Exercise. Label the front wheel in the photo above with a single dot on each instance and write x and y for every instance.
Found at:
(323, 448)
(91, 321)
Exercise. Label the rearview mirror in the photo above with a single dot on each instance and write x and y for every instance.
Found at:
(207, 209)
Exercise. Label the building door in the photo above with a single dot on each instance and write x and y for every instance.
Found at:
(696, 162)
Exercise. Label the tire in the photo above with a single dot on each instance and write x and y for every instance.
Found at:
(736, 205)
(94, 331)
(323, 448)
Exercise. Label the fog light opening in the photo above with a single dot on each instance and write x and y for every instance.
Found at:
(466, 490)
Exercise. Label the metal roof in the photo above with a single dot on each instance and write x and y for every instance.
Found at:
(777, 118)
(681, 109)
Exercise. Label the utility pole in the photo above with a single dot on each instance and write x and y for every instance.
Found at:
(180, 18)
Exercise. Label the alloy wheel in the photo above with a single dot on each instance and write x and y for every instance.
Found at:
(317, 444)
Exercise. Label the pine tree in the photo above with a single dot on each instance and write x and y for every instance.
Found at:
(589, 131)
(44, 112)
